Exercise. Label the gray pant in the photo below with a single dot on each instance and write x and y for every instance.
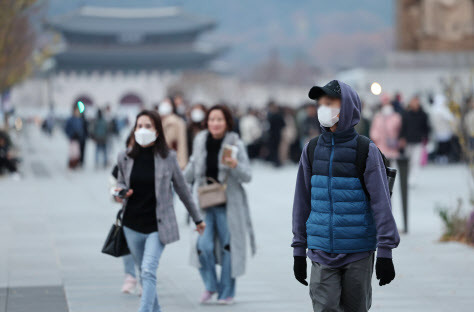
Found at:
(347, 288)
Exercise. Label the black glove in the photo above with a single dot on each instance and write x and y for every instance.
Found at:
(299, 268)
(384, 271)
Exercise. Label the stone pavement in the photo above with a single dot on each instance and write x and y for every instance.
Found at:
(53, 223)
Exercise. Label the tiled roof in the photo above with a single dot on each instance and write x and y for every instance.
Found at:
(101, 20)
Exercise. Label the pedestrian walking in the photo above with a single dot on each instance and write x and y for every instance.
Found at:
(76, 131)
(100, 135)
(444, 124)
(148, 173)
(174, 128)
(288, 135)
(310, 124)
(413, 136)
(276, 123)
(251, 133)
(341, 210)
(197, 114)
(219, 160)
(385, 129)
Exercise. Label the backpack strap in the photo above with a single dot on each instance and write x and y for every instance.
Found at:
(385, 160)
(310, 150)
(363, 143)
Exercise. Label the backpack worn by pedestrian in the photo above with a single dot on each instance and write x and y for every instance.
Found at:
(363, 143)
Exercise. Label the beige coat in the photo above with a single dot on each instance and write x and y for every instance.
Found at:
(174, 128)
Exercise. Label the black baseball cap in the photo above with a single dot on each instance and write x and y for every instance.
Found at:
(332, 89)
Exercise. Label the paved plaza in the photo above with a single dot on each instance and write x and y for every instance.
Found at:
(53, 223)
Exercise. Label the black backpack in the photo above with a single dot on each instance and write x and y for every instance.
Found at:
(363, 143)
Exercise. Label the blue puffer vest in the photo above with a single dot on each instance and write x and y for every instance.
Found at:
(341, 220)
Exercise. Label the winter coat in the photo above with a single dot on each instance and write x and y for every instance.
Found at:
(238, 213)
(168, 179)
(442, 119)
(174, 129)
(385, 131)
(415, 126)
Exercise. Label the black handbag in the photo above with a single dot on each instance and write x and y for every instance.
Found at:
(115, 243)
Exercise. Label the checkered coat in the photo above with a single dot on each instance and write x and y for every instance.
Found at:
(167, 174)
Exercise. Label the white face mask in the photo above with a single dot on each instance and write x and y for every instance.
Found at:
(197, 115)
(144, 136)
(165, 108)
(327, 116)
(387, 109)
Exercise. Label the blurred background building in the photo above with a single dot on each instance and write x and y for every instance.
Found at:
(137, 55)
(123, 57)
(434, 44)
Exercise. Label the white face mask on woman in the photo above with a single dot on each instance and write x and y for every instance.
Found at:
(197, 115)
(144, 136)
(165, 108)
(387, 110)
(327, 116)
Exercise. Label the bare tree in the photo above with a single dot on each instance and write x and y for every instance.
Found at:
(17, 42)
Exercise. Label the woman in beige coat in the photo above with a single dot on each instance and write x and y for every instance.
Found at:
(174, 128)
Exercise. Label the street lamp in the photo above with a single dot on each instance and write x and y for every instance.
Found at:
(376, 88)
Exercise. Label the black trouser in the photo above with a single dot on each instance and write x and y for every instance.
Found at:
(444, 148)
(273, 149)
(82, 146)
(253, 150)
(9, 164)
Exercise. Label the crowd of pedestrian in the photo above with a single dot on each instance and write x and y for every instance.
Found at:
(176, 145)
(421, 129)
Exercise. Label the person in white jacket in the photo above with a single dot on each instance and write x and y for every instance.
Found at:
(443, 123)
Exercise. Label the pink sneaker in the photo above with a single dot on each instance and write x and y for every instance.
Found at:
(226, 301)
(207, 296)
(129, 284)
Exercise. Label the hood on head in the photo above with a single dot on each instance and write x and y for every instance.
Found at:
(350, 108)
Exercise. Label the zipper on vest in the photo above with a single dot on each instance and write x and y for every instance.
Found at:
(331, 235)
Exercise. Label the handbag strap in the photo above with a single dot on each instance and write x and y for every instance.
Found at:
(120, 214)
(119, 218)
(214, 181)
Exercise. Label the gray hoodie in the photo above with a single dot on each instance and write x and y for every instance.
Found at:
(376, 184)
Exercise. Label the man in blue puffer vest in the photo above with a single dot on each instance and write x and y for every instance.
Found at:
(335, 222)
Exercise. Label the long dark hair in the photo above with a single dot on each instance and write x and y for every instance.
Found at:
(160, 143)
